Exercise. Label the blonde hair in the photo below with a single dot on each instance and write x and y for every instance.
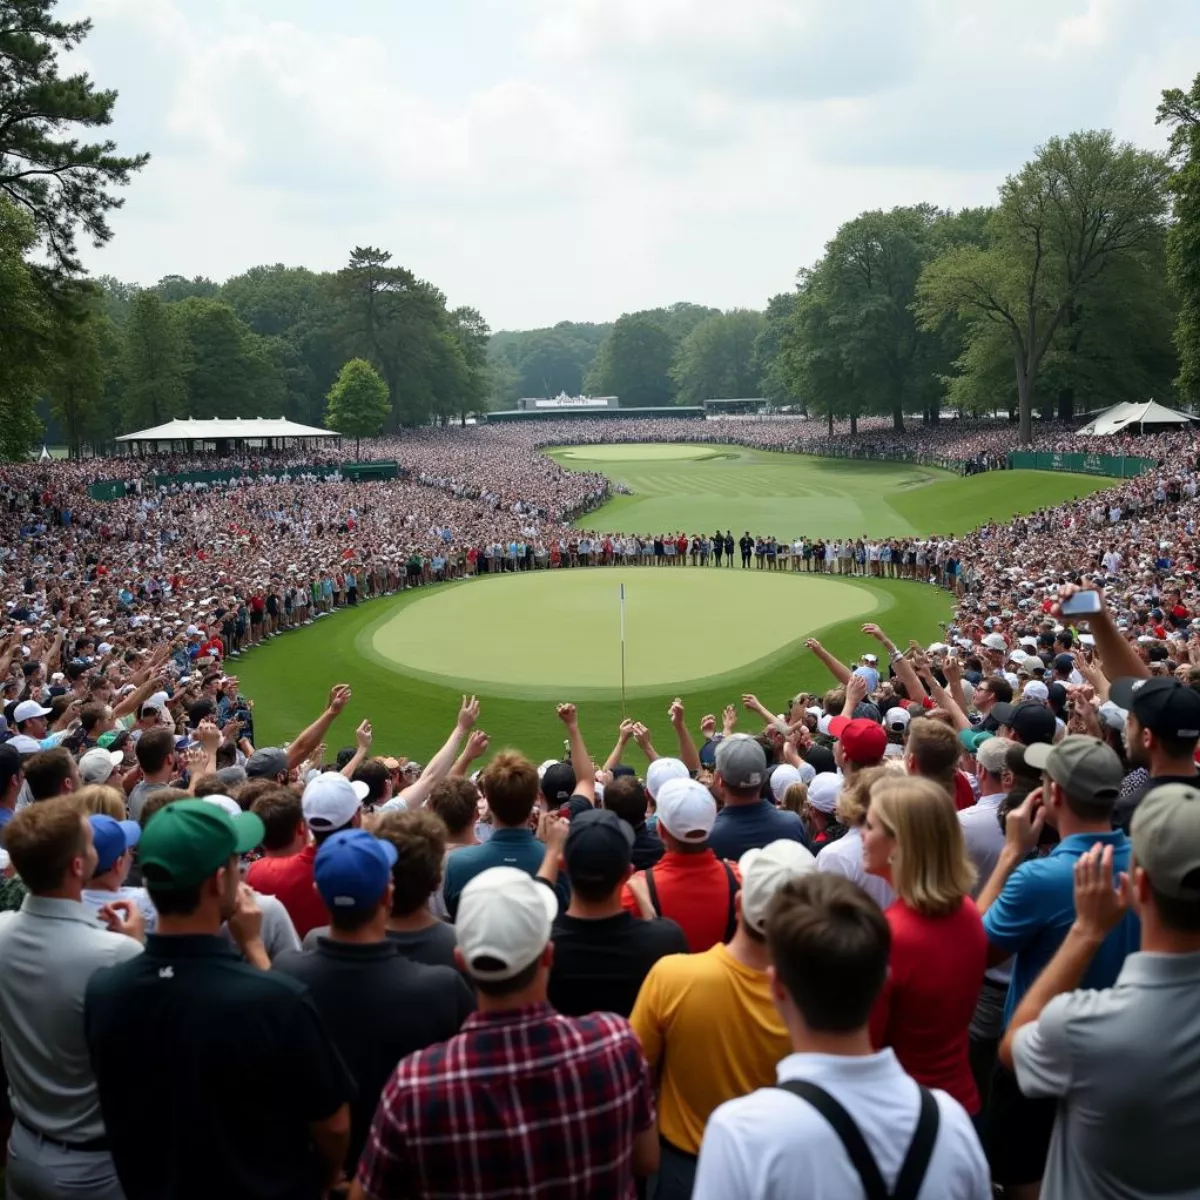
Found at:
(855, 797)
(931, 871)
(795, 798)
(102, 800)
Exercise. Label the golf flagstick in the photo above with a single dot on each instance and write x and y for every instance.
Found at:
(623, 714)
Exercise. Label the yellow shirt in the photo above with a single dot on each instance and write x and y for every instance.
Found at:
(710, 1022)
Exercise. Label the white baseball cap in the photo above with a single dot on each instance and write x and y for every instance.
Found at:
(96, 766)
(896, 719)
(1036, 690)
(686, 810)
(504, 915)
(782, 778)
(226, 804)
(331, 800)
(824, 791)
(661, 770)
(27, 710)
(765, 871)
(995, 641)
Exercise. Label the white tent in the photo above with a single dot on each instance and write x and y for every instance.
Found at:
(1135, 416)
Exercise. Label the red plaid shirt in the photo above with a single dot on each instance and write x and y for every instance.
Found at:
(526, 1103)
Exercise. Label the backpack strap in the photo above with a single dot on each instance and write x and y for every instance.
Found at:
(653, 892)
(731, 916)
(916, 1161)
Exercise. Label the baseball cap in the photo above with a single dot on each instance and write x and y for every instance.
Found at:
(686, 810)
(27, 710)
(995, 641)
(1084, 767)
(112, 839)
(352, 870)
(97, 765)
(109, 740)
(185, 842)
(1064, 662)
(863, 742)
(660, 771)
(598, 848)
(1166, 840)
(897, 719)
(266, 763)
(972, 739)
(824, 791)
(992, 754)
(741, 761)
(782, 778)
(1163, 705)
(331, 800)
(504, 921)
(765, 871)
(1036, 690)
(1030, 722)
(558, 782)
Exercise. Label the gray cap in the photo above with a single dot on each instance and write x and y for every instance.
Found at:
(1166, 840)
(1084, 767)
(232, 777)
(741, 761)
(267, 763)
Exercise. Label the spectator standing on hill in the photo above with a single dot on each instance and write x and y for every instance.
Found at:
(747, 821)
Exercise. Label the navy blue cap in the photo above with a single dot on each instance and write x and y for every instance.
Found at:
(352, 870)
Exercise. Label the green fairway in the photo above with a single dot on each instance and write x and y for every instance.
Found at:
(783, 495)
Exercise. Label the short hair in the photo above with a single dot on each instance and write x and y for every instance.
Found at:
(829, 944)
(931, 870)
(208, 785)
(456, 801)
(375, 775)
(102, 800)
(934, 749)
(92, 714)
(999, 687)
(154, 748)
(506, 987)
(158, 800)
(627, 798)
(250, 791)
(280, 811)
(511, 786)
(1180, 916)
(47, 771)
(43, 840)
(200, 710)
(420, 841)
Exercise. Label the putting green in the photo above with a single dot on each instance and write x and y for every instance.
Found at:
(640, 453)
(542, 632)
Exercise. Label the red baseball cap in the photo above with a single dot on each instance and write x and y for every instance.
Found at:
(863, 742)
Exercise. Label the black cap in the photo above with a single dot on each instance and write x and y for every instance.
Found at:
(820, 758)
(598, 849)
(1057, 698)
(1064, 662)
(1163, 705)
(558, 783)
(1029, 721)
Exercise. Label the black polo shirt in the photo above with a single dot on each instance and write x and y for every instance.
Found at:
(209, 1072)
(379, 1007)
(600, 963)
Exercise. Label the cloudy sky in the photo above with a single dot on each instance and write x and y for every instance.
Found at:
(574, 159)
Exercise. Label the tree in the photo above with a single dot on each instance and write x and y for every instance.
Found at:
(769, 361)
(63, 184)
(173, 288)
(716, 360)
(1080, 206)
(25, 335)
(154, 364)
(1181, 111)
(634, 363)
(76, 378)
(358, 402)
(471, 333)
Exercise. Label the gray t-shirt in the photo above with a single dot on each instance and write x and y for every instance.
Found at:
(139, 795)
(278, 932)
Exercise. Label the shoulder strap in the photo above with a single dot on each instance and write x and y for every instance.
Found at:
(731, 915)
(653, 892)
(916, 1161)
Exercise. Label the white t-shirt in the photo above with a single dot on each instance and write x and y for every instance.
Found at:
(771, 1145)
(845, 857)
(97, 898)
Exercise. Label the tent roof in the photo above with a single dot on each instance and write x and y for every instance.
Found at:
(1122, 416)
(190, 430)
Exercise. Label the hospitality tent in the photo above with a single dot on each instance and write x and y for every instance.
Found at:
(1137, 417)
(226, 436)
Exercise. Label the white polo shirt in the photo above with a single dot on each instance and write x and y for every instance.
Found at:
(771, 1145)
(845, 857)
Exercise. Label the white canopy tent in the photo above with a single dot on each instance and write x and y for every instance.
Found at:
(225, 435)
(1136, 416)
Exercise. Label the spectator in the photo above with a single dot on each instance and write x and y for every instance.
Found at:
(939, 951)
(829, 949)
(194, 1018)
(50, 949)
(456, 801)
(845, 856)
(693, 1001)
(497, 1109)
(114, 841)
(601, 953)
(156, 759)
(52, 773)
(12, 779)
(281, 811)
(627, 798)
(100, 766)
(932, 751)
(1120, 1062)
(746, 821)
(378, 1006)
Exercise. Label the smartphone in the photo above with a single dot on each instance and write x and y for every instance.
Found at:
(1082, 604)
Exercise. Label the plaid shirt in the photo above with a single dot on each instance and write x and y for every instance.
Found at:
(526, 1103)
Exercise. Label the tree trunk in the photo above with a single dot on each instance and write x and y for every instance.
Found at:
(831, 422)
(1066, 404)
(854, 425)
(357, 444)
(1024, 407)
(898, 419)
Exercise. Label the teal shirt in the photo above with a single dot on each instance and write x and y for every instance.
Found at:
(505, 848)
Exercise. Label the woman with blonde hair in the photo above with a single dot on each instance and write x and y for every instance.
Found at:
(913, 840)
(102, 800)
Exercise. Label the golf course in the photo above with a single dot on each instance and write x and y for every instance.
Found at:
(523, 642)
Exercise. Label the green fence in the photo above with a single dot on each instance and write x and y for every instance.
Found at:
(107, 489)
(1118, 466)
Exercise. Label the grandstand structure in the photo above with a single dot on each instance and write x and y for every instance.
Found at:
(223, 436)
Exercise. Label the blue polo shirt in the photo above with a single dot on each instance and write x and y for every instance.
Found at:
(1030, 918)
(505, 848)
(742, 827)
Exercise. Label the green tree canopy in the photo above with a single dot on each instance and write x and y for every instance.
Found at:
(634, 363)
(154, 364)
(358, 401)
(25, 334)
(716, 360)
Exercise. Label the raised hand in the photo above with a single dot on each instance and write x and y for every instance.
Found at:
(708, 726)
(339, 697)
(567, 714)
(468, 713)
(362, 736)
(729, 719)
(675, 712)
(1023, 824)
(477, 744)
(1099, 905)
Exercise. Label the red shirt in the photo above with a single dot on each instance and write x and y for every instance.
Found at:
(924, 1012)
(693, 890)
(964, 795)
(214, 647)
(291, 880)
